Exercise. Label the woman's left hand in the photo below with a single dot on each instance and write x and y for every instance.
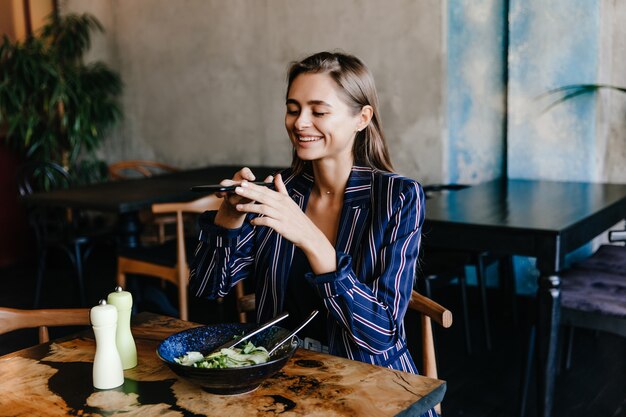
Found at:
(282, 214)
(279, 212)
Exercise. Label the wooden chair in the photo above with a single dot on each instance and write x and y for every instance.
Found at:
(125, 170)
(167, 261)
(14, 319)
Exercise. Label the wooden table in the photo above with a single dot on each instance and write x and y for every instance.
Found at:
(126, 198)
(541, 219)
(54, 379)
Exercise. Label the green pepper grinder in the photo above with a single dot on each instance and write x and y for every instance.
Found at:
(123, 301)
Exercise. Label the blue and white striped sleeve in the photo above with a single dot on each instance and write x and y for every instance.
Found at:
(222, 258)
(371, 312)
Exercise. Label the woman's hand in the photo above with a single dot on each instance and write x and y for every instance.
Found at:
(228, 216)
(283, 215)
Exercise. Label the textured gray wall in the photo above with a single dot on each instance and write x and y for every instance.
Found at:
(205, 80)
(612, 105)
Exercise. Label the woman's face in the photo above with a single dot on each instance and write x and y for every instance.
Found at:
(320, 124)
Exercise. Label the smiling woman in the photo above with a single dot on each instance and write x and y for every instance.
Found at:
(320, 124)
(356, 93)
(339, 232)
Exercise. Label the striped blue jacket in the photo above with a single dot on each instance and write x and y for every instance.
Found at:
(377, 248)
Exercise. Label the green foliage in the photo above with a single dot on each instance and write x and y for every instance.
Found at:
(52, 105)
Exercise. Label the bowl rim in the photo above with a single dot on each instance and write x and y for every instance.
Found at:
(289, 351)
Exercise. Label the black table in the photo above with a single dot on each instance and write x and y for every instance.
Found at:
(128, 197)
(541, 219)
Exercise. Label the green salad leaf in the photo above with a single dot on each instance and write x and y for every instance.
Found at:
(226, 358)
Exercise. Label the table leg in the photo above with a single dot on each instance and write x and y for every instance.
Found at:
(548, 320)
(129, 229)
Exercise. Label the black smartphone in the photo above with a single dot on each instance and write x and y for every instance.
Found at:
(215, 188)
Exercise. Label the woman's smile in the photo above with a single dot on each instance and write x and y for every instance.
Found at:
(320, 123)
(309, 138)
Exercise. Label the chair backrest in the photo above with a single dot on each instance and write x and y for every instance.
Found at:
(592, 291)
(138, 168)
(14, 319)
(210, 202)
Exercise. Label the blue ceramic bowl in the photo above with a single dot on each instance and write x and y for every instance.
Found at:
(225, 381)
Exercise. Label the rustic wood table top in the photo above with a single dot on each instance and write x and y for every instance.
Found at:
(55, 379)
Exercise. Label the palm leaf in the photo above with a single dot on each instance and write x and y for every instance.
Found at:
(568, 92)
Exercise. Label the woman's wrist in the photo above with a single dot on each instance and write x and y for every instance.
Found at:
(228, 217)
(321, 255)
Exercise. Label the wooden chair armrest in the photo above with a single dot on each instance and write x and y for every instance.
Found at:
(210, 202)
(435, 311)
(13, 319)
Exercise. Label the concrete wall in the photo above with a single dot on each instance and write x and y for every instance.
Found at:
(205, 80)
(612, 105)
(560, 43)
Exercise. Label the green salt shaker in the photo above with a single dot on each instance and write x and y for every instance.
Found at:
(123, 301)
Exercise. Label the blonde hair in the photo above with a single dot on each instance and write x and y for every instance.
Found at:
(356, 86)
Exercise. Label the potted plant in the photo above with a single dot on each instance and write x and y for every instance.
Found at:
(53, 105)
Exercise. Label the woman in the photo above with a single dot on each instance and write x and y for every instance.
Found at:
(339, 232)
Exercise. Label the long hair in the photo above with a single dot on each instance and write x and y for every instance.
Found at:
(356, 87)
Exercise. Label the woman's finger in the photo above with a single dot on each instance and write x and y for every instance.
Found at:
(246, 174)
(255, 192)
(243, 174)
(228, 182)
(280, 185)
(258, 209)
(264, 221)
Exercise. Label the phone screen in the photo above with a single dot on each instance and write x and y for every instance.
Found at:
(214, 188)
